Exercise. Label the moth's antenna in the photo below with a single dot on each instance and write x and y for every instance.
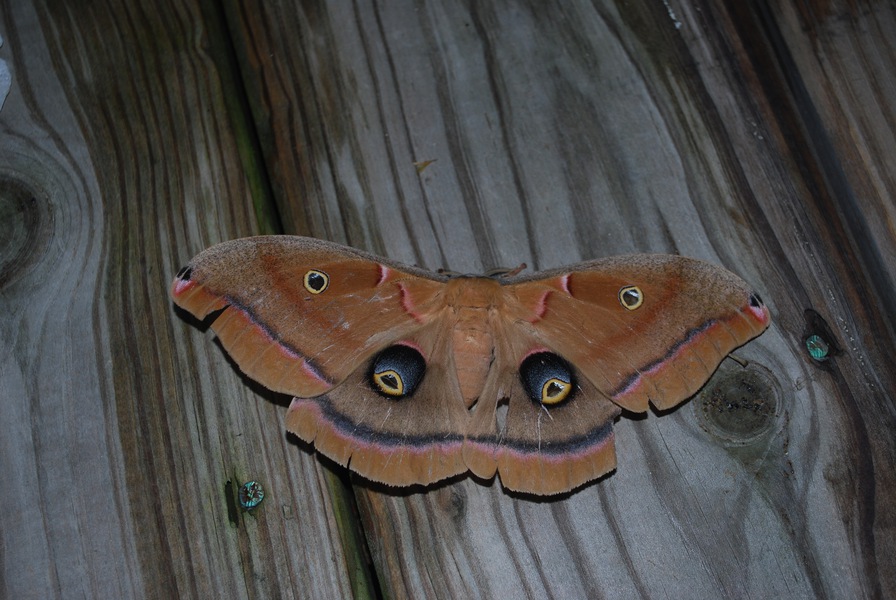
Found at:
(505, 272)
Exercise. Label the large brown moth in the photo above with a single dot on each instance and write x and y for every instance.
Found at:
(409, 377)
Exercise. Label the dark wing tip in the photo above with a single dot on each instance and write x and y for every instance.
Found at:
(185, 273)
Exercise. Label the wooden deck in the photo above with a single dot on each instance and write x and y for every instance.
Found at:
(758, 135)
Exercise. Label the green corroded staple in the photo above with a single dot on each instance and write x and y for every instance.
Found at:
(817, 347)
(251, 494)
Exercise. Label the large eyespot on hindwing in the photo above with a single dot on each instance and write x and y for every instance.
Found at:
(631, 297)
(547, 378)
(316, 281)
(397, 371)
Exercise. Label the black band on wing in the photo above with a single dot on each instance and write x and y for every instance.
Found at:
(578, 445)
(348, 428)
(310, 363)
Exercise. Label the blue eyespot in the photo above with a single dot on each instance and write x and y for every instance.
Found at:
(397, 371)
(547, 378)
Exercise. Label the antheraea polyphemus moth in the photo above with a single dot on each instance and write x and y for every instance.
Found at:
(409, 376)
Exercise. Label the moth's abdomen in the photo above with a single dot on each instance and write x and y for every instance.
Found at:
(474, 351)
(473, 344)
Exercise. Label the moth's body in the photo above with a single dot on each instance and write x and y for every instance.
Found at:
(399, 371)
(473, 304)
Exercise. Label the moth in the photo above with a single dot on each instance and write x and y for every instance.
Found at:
(409, 377)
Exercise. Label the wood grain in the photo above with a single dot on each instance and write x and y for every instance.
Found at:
(567, 131)
(756, 135)
(120, 432)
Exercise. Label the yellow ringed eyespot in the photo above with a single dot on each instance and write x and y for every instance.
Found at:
(389, 382)
(554, 391)
(631, 297)
(316, 281)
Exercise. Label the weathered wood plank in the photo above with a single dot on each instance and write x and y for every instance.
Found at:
(570, 130)
(757, 136)
(120, 426)
(838, 133)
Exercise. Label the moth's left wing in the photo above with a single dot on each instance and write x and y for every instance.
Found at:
(299, 315)
(329, 324)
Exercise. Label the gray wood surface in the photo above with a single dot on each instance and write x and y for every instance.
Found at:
(756, 135)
